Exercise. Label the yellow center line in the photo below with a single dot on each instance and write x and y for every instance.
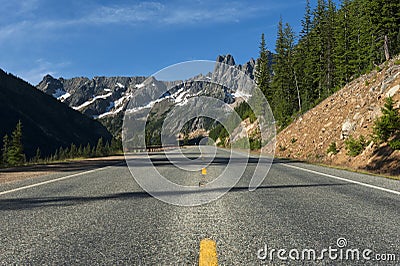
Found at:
(208, 253)
(203, 171)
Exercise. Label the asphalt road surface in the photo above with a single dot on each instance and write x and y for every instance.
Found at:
(103, 217)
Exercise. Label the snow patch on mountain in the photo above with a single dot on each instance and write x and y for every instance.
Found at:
(105, 96)
(117, 105)
(138, 86)
(120, 85)
(179, 95)
(149, 105)
(109, 113)
(61, 95)
(240, 94)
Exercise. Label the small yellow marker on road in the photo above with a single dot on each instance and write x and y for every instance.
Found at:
(208, 253)
(203, 171)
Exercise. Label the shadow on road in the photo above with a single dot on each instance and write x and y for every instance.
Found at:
(85, 165)
(70, 166)
(30, 203)
(218, 160)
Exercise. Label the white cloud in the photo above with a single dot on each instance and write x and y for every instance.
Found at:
(34, 26)
(157, 13)
(149, 13)
(141, 12)
(41, 67)
(18, 7)
(35, 22)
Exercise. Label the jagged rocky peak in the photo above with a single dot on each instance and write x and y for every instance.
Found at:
(48, 78)
(249, 65)
(226, 59)
(249, 68)
(50, 85)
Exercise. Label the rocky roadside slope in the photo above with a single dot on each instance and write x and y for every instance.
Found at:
(349, 112)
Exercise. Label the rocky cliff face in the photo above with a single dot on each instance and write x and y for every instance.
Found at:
(106, 98)
(349, 112)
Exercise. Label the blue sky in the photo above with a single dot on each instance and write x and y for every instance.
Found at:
(130, 38)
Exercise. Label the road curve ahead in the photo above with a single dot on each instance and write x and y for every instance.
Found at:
(301, 214)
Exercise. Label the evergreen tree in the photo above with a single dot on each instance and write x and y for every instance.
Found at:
(317, 38)
(80, 151)
(263, 70)
(388, 125)
(342, 44)
(87, 151)
(283, 84)
(323, 39)
(61, 154)
(116, 145)
(73, 151)
(303, 67)
(67, 153)
(99, 148)
(306, 23)
(16, 154)
(37, 155)
(329, 50)
(389, 25)
(56, 155)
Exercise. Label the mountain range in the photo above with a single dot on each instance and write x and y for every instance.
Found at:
(106, 98)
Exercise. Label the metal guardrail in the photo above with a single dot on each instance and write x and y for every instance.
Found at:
(151, 148)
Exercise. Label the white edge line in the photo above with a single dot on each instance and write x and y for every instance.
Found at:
(54, 180)
(343, 179)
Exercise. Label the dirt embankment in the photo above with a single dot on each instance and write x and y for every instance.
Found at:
(349, 112)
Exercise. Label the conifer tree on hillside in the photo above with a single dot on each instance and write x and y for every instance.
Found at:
(61, 154)
(37, 155)
(389, 25)
(116, 145)
(80, 151)
(15, 154)
(334, 47)
(87, 151)
(303, 56)
(388, 125)
(329, 51)
(263, 71)
(342, 44)
(99, 148)
(283, 83)
(73, 151)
